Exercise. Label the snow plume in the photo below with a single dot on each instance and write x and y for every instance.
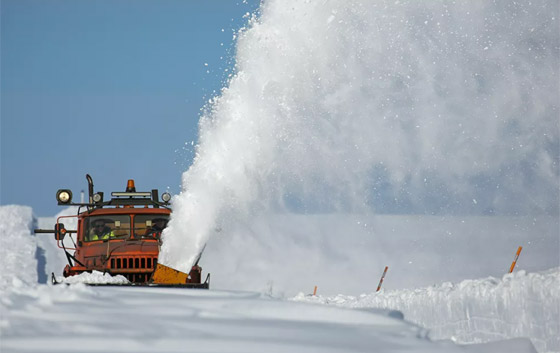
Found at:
(518, 305)
(386, 106)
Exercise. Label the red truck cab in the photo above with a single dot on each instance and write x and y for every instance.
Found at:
(120, 236)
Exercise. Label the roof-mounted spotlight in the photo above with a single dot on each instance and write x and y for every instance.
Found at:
(98, 197)
(166, 197)
(64, 196)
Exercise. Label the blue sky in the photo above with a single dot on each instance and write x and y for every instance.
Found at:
(109, 88)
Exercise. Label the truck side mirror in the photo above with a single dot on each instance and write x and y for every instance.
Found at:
(59, 231)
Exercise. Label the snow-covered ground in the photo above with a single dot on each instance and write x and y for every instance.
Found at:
(520, 310)
(124, 319)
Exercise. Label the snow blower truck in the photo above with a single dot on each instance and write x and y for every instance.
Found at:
(121, 236)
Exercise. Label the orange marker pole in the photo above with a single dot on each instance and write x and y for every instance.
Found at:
(382, 277)
(515, 260)
(315, 291)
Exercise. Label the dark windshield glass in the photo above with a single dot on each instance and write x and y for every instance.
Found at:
(149, 226)
(107, 227)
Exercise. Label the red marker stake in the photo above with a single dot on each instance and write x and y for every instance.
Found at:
(382, 277)
(515, 260)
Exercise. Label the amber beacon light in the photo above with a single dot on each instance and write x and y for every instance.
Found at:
(130, 186)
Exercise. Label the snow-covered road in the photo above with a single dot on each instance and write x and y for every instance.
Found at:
(124, 319)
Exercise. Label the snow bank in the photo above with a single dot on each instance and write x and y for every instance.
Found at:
(95, 277)
(53, 258)
(518, 305)
(17, 247)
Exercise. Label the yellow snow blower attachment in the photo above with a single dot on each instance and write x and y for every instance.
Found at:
(167, 276)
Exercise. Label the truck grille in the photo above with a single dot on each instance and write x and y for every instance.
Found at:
(135, 269)
(134, 263)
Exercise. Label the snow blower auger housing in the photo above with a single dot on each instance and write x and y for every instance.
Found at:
(120, 236)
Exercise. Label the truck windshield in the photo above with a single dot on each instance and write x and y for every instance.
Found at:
(149, 225)
(107, 227)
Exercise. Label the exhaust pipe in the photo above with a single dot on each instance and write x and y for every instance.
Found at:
(90, 188)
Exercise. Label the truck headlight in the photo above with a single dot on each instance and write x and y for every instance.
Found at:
(64, 196)
(98, 197)
(166, 197)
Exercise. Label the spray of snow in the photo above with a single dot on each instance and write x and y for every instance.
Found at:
(386, 106)
(518, 305)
